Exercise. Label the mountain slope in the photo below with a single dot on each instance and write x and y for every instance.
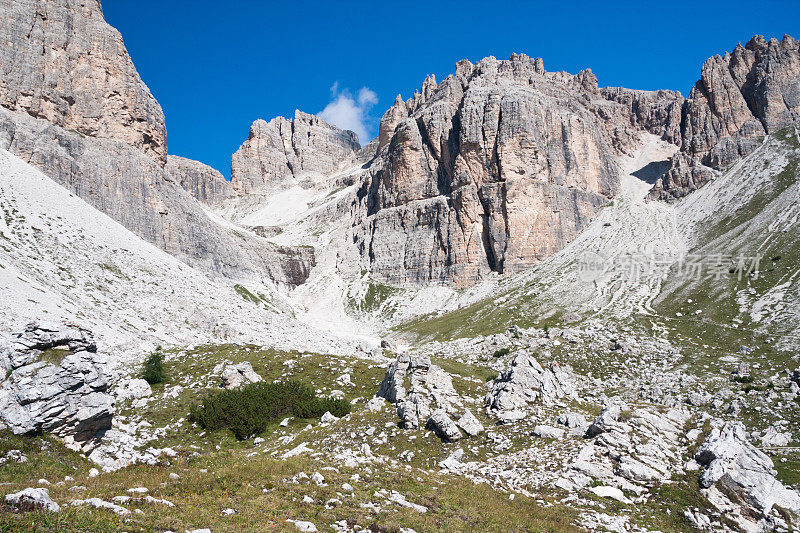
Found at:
(63, 260)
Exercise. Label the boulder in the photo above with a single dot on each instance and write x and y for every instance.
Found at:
(418, 388)
(734, 470)
(133, 389)
(32, 499)
(234, 376)
(443, 426)
(68, 397)
(525, 381)
(470, 424)
(548, 432)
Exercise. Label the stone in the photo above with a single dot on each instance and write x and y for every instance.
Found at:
(280, 153)
(301, 525)
(773, 437)
(375, 404)
(604, 491)
(607, 419)
(417, 387)
(327, 418)
(234, 376)
(133, 389)
(102, 504)
(469, 424)
(32, 499)
(525, 381)
(68, 398)
(60, 61)
(572, 420)
(203, 182)
(548, 432)
(443, 426)
(735, 467)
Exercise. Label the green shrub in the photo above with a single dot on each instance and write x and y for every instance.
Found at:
(501, 352)
(153, 371)
(247, 411)
(742, 379)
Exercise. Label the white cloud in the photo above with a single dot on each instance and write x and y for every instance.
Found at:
(349, 113)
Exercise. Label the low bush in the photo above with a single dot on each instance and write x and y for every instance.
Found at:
(249, 410)
(153, 371)
(501, 352)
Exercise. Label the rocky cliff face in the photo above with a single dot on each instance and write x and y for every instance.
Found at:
(72, 105)
(740, 97)
(133, 189)
(281, 151)
(496, 168)
(206, 184)
(62, 62)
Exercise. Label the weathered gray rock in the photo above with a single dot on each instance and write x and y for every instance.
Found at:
(525, 381)
(548, 432)
(279, 153)
(418, 388)
(32, 499)
(608, 418)
(735, 472)
(135, 191)
(62, 62)
(740, 97)
(67, 397)
(470, 424)
(203, 182)
(133, 389)
(234, 376)
(443, 426)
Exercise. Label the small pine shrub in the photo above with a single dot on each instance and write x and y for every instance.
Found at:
(153, 371)
(248, 411)
(501, 352)
(742, 379)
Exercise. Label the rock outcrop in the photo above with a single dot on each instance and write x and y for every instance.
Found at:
(525, 381)
(203, 182)
(740, 97)
(740, 480)
(32, 499)
(280, 153)
(62, 62)
(56, 382)
(497, 167)
(425, 397)
(234, 376)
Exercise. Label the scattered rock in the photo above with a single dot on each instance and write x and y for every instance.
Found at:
(31, 499)
(470, 424)
(234, 376)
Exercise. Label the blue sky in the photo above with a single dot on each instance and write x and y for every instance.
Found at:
(217, 66)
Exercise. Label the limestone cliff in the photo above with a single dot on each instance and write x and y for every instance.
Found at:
(497, 167)
(203, 182)
(281, 151)
(62, 62)
(740, 97)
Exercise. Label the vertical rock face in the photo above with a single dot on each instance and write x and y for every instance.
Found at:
(136, 191)
(206, 184)
(60, 61)
(494, 169)
(72, 105)
(281, 149)
(740, 97)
